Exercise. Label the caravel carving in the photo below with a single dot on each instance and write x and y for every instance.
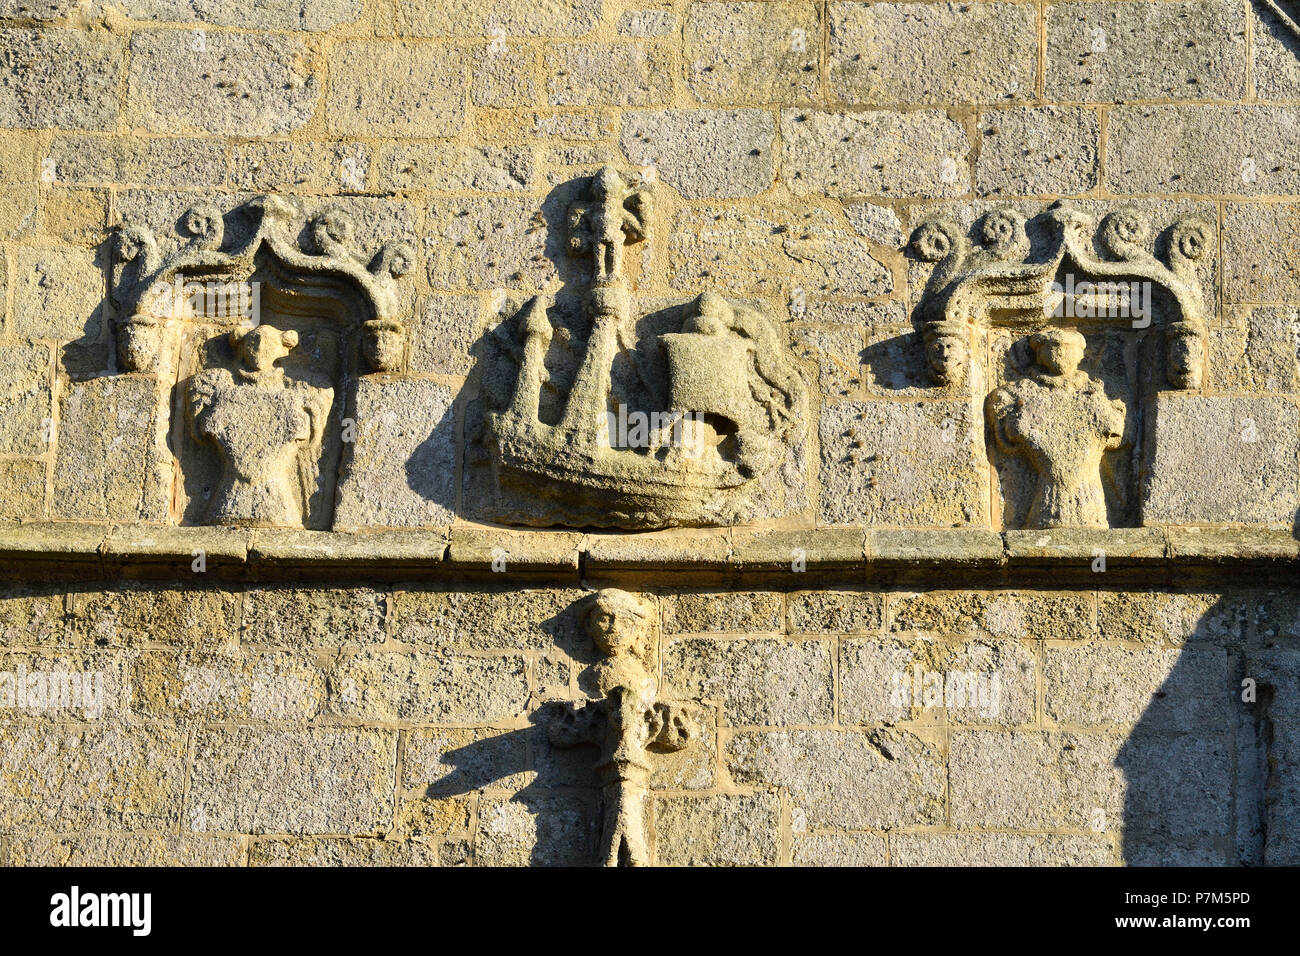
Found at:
(271, 336)
(729, 396)
(625, 724)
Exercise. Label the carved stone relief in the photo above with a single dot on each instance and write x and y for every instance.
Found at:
(265, 337)
(712, 403)
(1082, 325)
(626, 724)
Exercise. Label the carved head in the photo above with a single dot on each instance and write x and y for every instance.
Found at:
(1184, 354)
(382, 342)
(618, 622)
(1058, 350)
(260, 347)
(945, 349)
(138, 341)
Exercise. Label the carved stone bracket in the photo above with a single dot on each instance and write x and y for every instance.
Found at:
(148, 290)
(729, 397)
(626, 724)
(995, 280)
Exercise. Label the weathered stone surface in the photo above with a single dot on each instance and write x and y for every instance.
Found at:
(1258, 356)
(732, 613)
(704, 154)
(839, 849)
(272, 686)
(901, 464)
(488, 620)
(752, 52)
(1171, 618)
(101, 778)
(721, 830)
(848, 779)
(614, 74)
(57, 293)
(921, 153)
(444, 333)
(25, 425)
(972, 682)
(1096, 685)
(108, 451)
(449, 167)
(65, 79)
(1223, 459)
(235, 83)
(136, 615)
(998, 849)
(1009, 614)
(336, 851)
(403, 467)
(1107, 52)
(300, 618)
(1233, 150)
(313, 15)
(1037, 150)
(386, 89)
(759, 251)
(835, 612)
(486, 244)
(378, 686)
(452, 761)
(1255, 270)
(22, 488)
(323, 780)
(112, 849)
(904, 53)
(510, 18)
(760, 681)
(548, 829)
(1177, 784)
(285, 165)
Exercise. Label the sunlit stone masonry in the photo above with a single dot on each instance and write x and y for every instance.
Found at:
(649, 433)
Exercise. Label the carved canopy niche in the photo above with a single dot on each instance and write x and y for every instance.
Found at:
(263, 323)
(1078, 324)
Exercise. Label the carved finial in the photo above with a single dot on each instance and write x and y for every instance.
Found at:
(937, 239)
(333, 233)
(611, 215)
(1003, 233)
(394, 258)
(1123, 233)
(205, 225)
(1188, 241)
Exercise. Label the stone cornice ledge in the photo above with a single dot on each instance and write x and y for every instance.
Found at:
(735, 557)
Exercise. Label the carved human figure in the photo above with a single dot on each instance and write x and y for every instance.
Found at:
(259, 422)
(382, 344)
(625, 723)
(1060, 421)
(1184, 353)
(946, 349)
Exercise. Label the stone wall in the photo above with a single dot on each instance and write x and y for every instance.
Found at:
(357, 665)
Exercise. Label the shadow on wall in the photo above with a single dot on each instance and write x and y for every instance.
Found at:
(1210, 766)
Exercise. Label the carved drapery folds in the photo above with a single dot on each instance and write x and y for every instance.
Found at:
(718, 395)
(1081, 323)
(266, 336)
(626, 724)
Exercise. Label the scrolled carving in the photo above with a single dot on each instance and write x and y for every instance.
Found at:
(998, 280)
(333, 233)
(205, 225)
(626, 723)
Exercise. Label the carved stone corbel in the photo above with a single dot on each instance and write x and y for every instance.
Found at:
(626, 724)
